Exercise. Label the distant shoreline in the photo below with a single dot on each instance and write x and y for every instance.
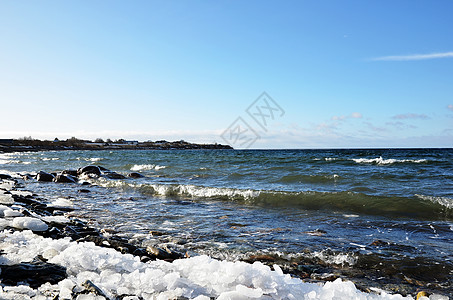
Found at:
(13, 145)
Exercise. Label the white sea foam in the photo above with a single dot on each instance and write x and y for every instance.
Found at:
(444, 201)
(381, 161)
(146, 167)
(198, 277)
(338, 259)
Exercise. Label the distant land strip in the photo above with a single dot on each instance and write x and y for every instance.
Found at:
(30, 144)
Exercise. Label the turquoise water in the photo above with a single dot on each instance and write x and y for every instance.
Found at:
(332, 204)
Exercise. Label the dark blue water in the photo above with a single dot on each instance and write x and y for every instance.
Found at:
(330, 204)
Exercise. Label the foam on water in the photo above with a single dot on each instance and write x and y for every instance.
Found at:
(146, 167)
(444, 201)
(198, 277)
(381, 161)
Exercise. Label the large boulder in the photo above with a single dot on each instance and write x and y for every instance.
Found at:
(44, 176)
(135, 175)
(89, 170)
(63, 178)
(70, 172)
(113, 175)
(33, 273)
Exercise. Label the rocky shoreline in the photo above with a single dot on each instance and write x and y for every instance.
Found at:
(13, 145)
(21, 210)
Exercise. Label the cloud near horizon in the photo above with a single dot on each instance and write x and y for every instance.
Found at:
(410, 116)
(450, 107)
(414, 57)
(354, 115)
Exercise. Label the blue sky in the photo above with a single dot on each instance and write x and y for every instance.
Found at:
(344, 73)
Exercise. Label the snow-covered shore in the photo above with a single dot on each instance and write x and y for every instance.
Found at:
(95, 272)
(125, 276)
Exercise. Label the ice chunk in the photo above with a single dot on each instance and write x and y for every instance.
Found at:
(56, 219)
(249, 292)
(22, 193)
(12, 213)
(62, 202)
(4, 223)
(33, 224)
(6, 199)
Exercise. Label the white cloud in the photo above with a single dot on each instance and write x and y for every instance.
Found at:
(414, 57)
(410, 116)
(354, 115)
(450, 107)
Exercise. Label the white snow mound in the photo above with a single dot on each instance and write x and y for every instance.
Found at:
(198, 277)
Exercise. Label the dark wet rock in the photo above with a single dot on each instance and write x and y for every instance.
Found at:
(135, 175)
(84, 191)
(44, 176)
(378, 243)
(89, 170)
(114, 175)
(5, 176)
(85, 183)
(164, 253)
(103, 169)
(92, 288)
(261, 258)
(27, 177)
(34, 273)
(70, 172)
(62, 178)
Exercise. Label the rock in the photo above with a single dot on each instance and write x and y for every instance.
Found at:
(261, 257)
(44, 176)
(62, 178)
(103, 169)
(85, 183)
(5, 176)
(165, 254)
(92, 288)
(34, 273)
(135, 175)
(27, 177)
(114, 175)
(89, 170)
(84, 191)
(379, 243)
(70, 172)
(422, 294)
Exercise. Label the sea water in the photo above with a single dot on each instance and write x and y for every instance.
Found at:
(343, 208)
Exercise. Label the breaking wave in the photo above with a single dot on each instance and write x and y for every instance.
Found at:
(382, 161)
(419, 207)
(146, 167)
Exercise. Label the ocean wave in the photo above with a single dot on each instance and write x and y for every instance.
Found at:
(308, 178)
(91, 159)
(444, 201)
(428, 208)
(381, 161)
(146, 167)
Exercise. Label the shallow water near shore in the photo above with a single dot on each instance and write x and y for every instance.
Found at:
(349, 210)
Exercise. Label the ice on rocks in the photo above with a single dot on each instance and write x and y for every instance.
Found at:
(62, 202)
(56, 219)
(22, 193)
(33, 224)
(6, 199)
(199, 277)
